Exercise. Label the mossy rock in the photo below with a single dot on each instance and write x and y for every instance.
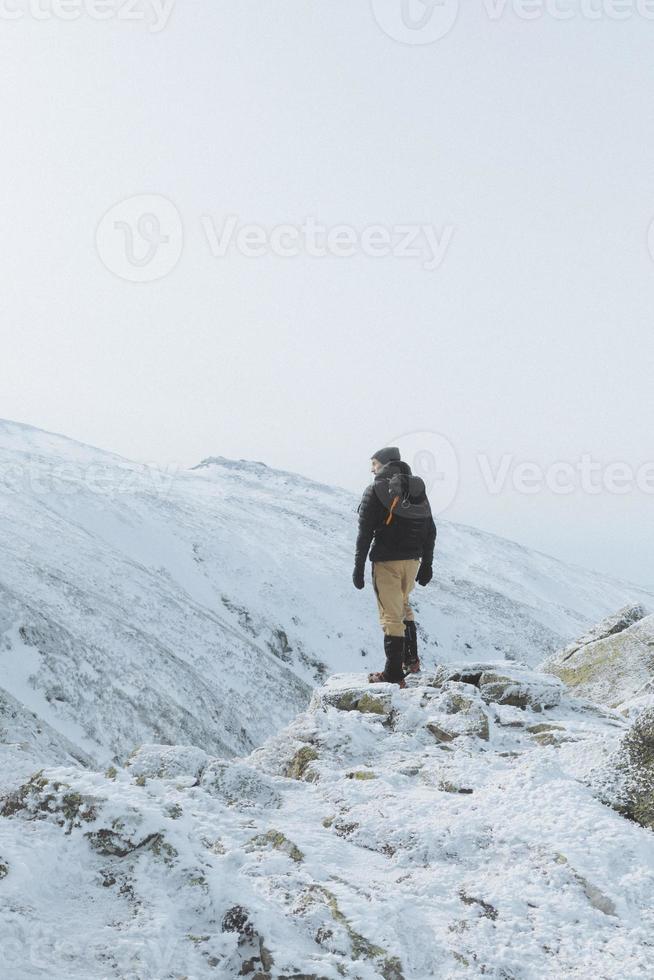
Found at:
(111, 842)
(356, 700)
(362, 775)
(486, 909)
(298, 767)
(473, 724)
(279, 842)
(18, 800)
(519, 692)
(345, 701)
(608, 669)
(547, 738)
(361, 947)
(440, 733)
(552, 738)
(391, 968)
(459, 702)
(634, 765)
(41, 799)
(371, 705)
(539, 729)
(593, 661)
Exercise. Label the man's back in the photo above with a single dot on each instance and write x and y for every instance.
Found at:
(395, 516)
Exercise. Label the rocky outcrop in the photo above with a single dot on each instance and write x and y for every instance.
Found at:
(501, 683)
(627, 780)
(500, 687)
(385, 834)
(609, 626)
(461, 713)
(613, 665)
(183, 763)
(239, 785)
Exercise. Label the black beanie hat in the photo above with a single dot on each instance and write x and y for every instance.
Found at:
(390, 454)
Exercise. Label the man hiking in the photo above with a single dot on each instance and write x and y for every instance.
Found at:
(395, 516)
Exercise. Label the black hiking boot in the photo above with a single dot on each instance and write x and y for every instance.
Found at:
(411, 658)
(392, 672)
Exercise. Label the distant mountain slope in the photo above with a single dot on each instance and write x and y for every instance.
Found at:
(202, 607)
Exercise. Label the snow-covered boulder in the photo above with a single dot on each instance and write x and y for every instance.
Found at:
(458, 711)
(520, 691)
(44, 797)
(239, 785)
(184, 763)
(501, 682)
(614, 664)
(340, 692)
(609, 626)
(628, 778)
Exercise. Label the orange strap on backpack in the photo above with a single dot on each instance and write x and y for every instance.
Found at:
(389, 519)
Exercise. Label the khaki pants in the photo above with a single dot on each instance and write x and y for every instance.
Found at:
(393, 582)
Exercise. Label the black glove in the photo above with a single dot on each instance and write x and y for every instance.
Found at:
(424, 575)
(357, 578)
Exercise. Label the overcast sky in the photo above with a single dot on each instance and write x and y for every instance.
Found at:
(511, 158)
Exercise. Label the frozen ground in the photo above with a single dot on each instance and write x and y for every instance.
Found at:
(357, 843)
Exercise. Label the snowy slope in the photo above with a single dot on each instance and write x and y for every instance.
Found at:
(201, 607)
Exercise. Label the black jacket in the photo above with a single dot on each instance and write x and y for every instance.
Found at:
(410, 532)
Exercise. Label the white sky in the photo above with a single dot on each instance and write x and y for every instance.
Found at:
(532, 140)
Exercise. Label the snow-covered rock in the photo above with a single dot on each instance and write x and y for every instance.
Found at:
(614, 666)
(626, 781)
(615, 623)
(178, 762)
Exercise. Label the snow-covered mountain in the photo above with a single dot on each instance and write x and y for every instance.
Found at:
(202, 606)
(176, 625)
